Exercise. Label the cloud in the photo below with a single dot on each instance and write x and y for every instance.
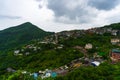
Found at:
(80, 11)
(15, 12)
(9, 17)
(103, 4)
(59, 15)
(70, 11)
(42, 3)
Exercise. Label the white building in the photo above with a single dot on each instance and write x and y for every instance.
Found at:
(115, 41)
(95, 63)
(88, 46)
(16, 52)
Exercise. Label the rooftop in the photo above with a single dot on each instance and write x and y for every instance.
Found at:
(116, 50)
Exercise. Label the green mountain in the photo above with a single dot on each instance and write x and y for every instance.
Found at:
(69, 51)
(21, 34)
(113, 26)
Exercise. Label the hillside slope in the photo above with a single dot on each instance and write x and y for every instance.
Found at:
(21, 34)
(113, 26)
(67, 48)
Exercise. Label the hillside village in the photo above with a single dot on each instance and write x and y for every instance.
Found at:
(54, 42)
(59, 39)
(67, 55)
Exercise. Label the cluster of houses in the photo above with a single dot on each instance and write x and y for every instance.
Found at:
(115, 55)
(26, 50)
(54, 39)
(101, 31)
(78, 33)
(63, 70)
(115, 41)
(44, 74)
(73, 33)
(29, 49)
(60, 71)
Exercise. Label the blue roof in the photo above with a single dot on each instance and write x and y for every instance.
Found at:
(54, 74)
(115, 50)
(35, 76)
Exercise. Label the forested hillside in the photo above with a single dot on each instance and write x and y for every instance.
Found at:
(19, 35)
(68, 54)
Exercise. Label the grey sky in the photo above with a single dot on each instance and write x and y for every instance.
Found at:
(9, 17)
(104, 4)
(58, 15)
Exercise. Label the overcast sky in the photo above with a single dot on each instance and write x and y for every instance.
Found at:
(59, 15)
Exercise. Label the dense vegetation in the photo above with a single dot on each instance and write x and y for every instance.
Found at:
(19, 35)
(49, 57)
(113, 26)
(104, 72)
